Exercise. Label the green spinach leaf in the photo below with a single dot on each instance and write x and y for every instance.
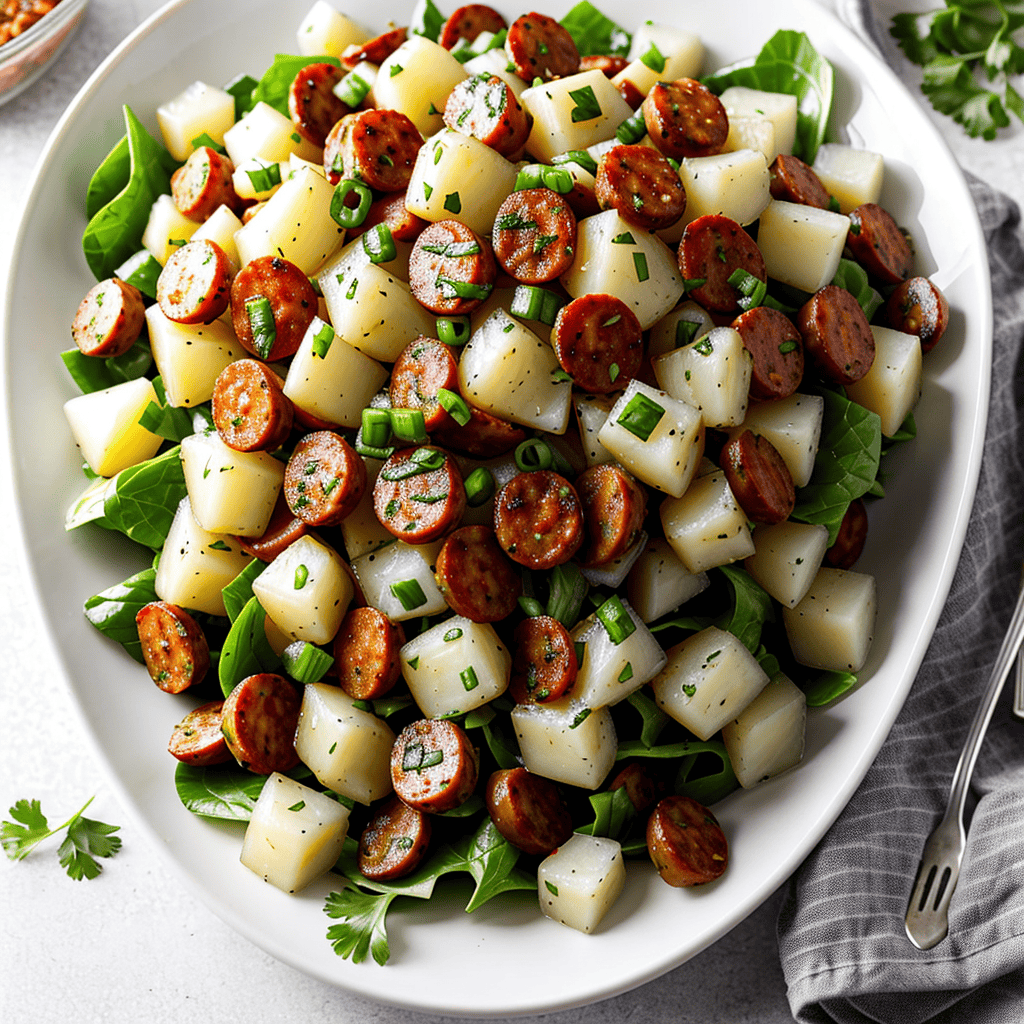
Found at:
(594, 33)
(173, 424)
(426, 20)
(238, 592)
(113, 610)
(146, 498)
(751, 609)
(93, 374)
(109, 178)
(274, 86)
(246, 649)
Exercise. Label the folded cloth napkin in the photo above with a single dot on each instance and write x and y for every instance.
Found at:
(842, 945)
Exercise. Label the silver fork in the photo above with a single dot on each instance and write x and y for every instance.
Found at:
(927, 921)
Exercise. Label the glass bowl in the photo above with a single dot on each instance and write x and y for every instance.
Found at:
(25, 57)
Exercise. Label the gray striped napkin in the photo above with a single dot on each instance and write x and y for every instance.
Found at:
(841, 941)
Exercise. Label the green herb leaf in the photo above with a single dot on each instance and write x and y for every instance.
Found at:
(274, 86)
(594, 33)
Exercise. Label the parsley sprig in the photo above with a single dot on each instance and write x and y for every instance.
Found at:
(86, 838)
(968, 55)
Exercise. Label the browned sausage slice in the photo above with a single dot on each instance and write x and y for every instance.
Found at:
(640, 183)
(390, 209)
(422, 369)
(282, 531)
(377, 147)
(197, 739)
(274, 327)
(794, 181)
(758, 478)
(250, 409)
(528, 810)
(203, 183)
(685, 118)
(608, 64)
(484, 107)
(711, 249)
(484, 436)
(195, 285)
(475, 577)
(643, 786)
(837, 335)
(598, 342)
(917, 306)
(878, 245)
(377, 50)
(538, 519)
(777, 350)
(468, 22)
(686, 842)
(535, 235)
(418, 495)
(394, 842)
(451, 269)
(366, 651)
(541, 48)
(173, 645)
(631, 94)
(260, 717)
(434, 766)
(324, 479)
(545, 665)
(109, 319)
(614, 506)
(312, 105)
(853, 532)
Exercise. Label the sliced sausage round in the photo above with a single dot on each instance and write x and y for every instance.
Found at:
(878, 245)
(312, 105)
(853, 532)
(535, 235)
(260, 717)
(641, 184)
(794, 181)
(434, 766)
(390, 209)
(204, 183)
(451, 269)
(418, 495)
(917, 306)
(837, 335)
(686, 842)
(685, 119)
(545, 665)
(174, 646)
(598, 342)
(631, 94)
(614, 506)
(484, 436)
(422, 369)
(195, 285)
(759, 478)
(528, 810)
(607, 63)
(475, 576)
(109, 319)
(324, 479)
(283, 530)
(777, 350)
(272, 304)
(712, 248)
(541, 48)
(538, 519)
(485, 107)
(394, 842)
(250, 409)
(198, 739)
(643, 786)
(468, 22)
(376, 50)
(377, 147)
(366, 650)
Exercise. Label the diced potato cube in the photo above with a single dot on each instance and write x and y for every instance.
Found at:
(580, 881)
(853, 176)
(612, 574)
(105, 425)
(801, 245)
(324, 31)
(267, 133)
(793, 425)
(361, 530)
(892, 386)
(779, 108)
(167, 230)
(506, 370)
(381, 573)
(667, 334)
(757, 133)
(706, 526)
(667, 457)
(660, 53)
(495, 62)
(767, 737)
(832, 627)
(417, 80)
(786, 558)
(295, 833)
(572, 113)
(566, 741)
(709, 679)
(346, 748)
(735, 184)
(455, 666)
(220, 227)
(659, 583)
(196, 565)
(230, 491)
(306, 590)
(591, 414)
(200, 108)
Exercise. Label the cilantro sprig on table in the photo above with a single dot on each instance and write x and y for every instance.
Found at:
(968, 55)
(86, 839)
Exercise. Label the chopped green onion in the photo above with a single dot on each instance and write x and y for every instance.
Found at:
(322, 340)
(469, 679)
(479, 486)
(452, 203)
(616, 620)
(577, 156)
(558, 179)
(567, 592)
(305, 662)
(350, 216)
(452, 634)
(633, 129)
(428, 458)
(452, 289)
(514, 221)
(580, 718)
(376, 428)
(587, 105)
(532, 303)
(685, 331)
(752, 288)
(414, 464)
(641, 416)
(455, 405)
(409, 593)
(533, 453)
(352, 89)
(640, 264)
(378, 244)
(261, 322)
(653, 59)
(531, 607)
(693, 282)
(263, 179)
(453, 330)
(530, 176)
(301, 576)
(453, 250)
(210, 143)
(372, 452)
(626, 238)
(626, 674)
(408, 425)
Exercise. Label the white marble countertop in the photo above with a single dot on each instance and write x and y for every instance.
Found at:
(134, 944)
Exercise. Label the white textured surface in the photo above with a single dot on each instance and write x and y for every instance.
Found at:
(134, 945)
